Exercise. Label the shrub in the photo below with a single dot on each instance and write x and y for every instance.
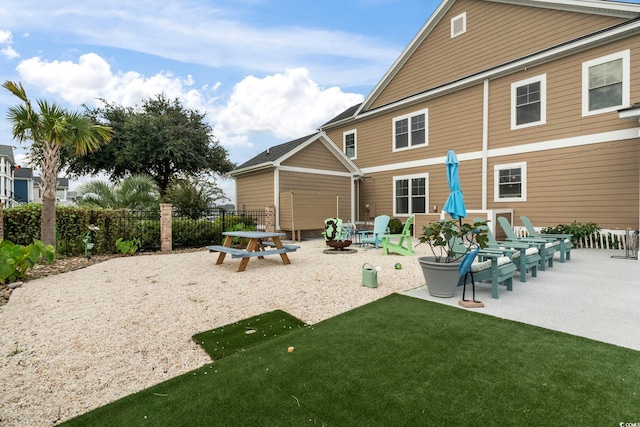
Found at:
(128, 247)
(16, 260)
(577, 230)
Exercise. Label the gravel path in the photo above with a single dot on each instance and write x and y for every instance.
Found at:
(79, 340)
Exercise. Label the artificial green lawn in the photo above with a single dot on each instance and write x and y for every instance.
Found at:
(238, 336)
(398, 361)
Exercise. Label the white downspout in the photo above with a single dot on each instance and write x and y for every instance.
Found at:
(276, 195)
(485, 143)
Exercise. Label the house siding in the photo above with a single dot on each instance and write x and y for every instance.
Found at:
(564, 100)
(454, 121)
(596, 183)
(315, 156)
(255, 191)
(496, 33)
(308, 182)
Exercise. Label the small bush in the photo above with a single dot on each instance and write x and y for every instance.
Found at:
(577, 230)
(128, 247)
(16, 260)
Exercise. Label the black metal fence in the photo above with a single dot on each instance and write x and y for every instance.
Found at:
(206, 230)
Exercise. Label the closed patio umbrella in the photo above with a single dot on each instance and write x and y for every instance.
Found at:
(454, 205)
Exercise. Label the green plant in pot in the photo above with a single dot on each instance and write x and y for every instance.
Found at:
(446, 240)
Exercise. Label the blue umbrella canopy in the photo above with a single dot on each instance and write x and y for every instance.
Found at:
(454, 205)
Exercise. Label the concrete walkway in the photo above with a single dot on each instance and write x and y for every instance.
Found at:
(593, 296)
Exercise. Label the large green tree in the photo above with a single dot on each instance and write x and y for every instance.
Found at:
(134, 192)
(51, 129)
(161, 139)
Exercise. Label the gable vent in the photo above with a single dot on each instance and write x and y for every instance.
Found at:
(458, 24)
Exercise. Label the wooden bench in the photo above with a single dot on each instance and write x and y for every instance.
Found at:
(256, 248)
(291, 248)
(243, 253)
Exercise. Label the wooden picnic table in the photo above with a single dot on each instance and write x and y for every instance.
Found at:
(256, 246)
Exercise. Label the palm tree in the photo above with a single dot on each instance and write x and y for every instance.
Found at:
(50, 128)
(134, 192)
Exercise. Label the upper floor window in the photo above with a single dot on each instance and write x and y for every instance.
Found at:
(410, 194)
(349, 143)
(528, 102)
(458, 24)
(605, 83)
(510, 182)
(410, 131)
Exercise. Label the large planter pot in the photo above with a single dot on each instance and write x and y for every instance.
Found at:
(442, 278)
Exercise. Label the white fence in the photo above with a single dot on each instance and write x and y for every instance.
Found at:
(626, 240)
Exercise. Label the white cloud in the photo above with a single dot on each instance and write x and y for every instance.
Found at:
(7, 38)
(91, 78)
(286, 105)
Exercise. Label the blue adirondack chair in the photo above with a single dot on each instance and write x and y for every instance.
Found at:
(545, 248)
(481, 264)
(374, 237)
(562, 241)
(523, 255)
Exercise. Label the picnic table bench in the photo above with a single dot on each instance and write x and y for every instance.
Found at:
(257, 247)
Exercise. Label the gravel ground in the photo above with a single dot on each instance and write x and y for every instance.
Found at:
(79, 340)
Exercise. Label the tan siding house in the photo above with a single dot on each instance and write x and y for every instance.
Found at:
(539, 99)
(310, 175)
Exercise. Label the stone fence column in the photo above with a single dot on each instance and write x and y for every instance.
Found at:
(270, 219)
(166, 242)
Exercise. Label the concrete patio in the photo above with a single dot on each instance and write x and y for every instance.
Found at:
(593, 296)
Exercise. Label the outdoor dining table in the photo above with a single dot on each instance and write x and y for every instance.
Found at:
(256, 246)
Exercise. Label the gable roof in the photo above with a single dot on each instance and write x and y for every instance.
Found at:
(23, 173)
(272, 157)
(344, 115)
(7, 151)
(599, 7)
(272, 154)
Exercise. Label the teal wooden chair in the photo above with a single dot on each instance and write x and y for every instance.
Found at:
(403, 245)
(546, 249)
(524, 255)
(562, 241)
(488, 265)
(374, 237)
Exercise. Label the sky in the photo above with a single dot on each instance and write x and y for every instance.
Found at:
(264, 71)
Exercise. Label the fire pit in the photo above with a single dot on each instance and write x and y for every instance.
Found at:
(339, 247)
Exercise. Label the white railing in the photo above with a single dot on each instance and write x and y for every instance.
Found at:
(626, 240)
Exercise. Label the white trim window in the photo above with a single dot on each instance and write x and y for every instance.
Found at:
(410, 194)
(459, 24)
(605, 83)
(529, 102)
(349, 139)
(510, 182)
(411, 130)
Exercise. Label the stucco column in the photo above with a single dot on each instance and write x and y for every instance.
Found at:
(1, 222)
(270, 219)
(166, 243)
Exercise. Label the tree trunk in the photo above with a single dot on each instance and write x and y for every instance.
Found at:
(49, 183)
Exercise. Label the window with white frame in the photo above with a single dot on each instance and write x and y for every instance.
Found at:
(605, 83)
(410, 131)
(510, 182)
(529, 102)
(349, 143)
(410, 194)
(458, 24)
